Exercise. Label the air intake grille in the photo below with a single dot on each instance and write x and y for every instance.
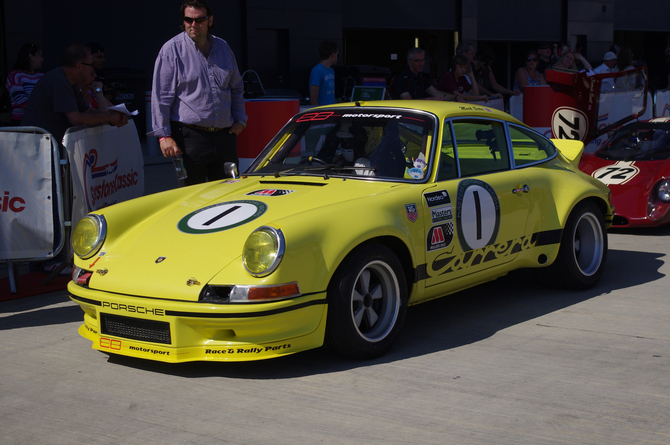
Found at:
(135, 328)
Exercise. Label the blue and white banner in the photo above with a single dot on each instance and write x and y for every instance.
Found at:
(107, 167)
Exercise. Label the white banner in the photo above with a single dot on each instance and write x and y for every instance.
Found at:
(107, 167)
(26, 196)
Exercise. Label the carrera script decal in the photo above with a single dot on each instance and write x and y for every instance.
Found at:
(616, 174)
(451, 262)
(219, 217)
(477, 214)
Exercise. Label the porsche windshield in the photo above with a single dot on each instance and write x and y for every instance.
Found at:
(644, 141)
(354, 142)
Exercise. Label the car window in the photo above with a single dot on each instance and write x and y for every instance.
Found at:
(639, 142)
(386, 144)
(529, 147)
(481, 146)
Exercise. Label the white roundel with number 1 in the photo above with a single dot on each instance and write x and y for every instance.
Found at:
(478, 214)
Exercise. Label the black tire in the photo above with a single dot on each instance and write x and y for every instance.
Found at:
(583, 252)
(367, 303)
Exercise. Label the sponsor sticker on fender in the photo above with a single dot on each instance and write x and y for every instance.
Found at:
(412, 213)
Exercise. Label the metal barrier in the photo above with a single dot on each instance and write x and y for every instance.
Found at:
(34, 202)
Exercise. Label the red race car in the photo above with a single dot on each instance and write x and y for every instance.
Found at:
(635, 164)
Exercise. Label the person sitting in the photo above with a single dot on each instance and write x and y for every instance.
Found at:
(528, 75)
(22, 79)
(414, 84)
(458, 83)
(344, 145)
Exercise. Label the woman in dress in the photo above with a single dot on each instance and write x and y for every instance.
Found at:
(528, 75)
(22, 79)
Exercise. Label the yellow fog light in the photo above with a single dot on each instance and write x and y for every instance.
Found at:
(263, 251)
(88, 235)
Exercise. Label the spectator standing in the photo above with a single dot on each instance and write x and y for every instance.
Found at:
(544, 54)
(466, 50)
(413, 83)
(625, 63)
(197, 103)
(56, 103)
(322, 77)
(457, 82)
(98, 53)
(484, 76)
(22, 79)
(528, 75)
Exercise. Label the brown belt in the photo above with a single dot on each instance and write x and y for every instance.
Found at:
(198, 127)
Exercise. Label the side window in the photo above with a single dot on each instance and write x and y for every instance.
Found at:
(447, 158)
(481, 147)
(529, 147)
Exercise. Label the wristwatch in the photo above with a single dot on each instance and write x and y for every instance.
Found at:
(98, 90)
(244, 123)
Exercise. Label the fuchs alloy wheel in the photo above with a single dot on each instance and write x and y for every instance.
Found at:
(583, 252)
(367, 303)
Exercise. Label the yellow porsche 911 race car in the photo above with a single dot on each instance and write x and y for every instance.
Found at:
(351, 214)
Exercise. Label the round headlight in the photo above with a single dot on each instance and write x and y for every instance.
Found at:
(88, 235)
(263, 251)
(663, 191)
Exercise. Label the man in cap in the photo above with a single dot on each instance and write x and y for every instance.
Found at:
(608, 66)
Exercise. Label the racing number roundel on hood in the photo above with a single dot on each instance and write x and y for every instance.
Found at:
(223, 216)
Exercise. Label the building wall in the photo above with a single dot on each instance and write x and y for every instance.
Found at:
(280, 39)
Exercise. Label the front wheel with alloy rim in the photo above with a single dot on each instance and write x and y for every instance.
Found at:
(583, 252)
(367, 302)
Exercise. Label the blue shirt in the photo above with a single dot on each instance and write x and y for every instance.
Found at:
(193, 89)
(324, 78)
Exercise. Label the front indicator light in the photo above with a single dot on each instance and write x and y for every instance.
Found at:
(264, 293)
(263, 251)
(88, 235)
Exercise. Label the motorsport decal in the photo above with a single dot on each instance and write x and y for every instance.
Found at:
(451, 262)
(616, 174)
(477, 214)
(412, 213)
(434, 199)
(270, 192)
(223, 216)
(440, 236)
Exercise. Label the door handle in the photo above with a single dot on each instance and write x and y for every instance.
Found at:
(524, 189)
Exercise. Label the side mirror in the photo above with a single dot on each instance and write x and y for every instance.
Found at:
(230, 168)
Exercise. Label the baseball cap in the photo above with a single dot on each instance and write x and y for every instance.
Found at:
(609, 55)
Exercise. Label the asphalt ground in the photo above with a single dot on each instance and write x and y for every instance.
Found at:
(508, 362)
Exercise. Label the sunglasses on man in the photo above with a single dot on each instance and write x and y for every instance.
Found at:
(198, 20)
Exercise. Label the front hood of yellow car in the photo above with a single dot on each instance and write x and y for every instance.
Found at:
(171, 244)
